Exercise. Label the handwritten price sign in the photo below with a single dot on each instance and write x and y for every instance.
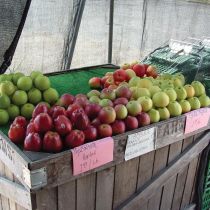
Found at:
(140, 143)
(92, 155)
(197, 119)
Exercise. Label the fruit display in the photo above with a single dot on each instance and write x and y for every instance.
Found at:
(19, 94)
(126, 99)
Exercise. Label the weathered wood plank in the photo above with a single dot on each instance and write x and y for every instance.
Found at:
(145, 168)
(125, 180)
(13, 191)
(181, 178)
(177, 165)
(67, 196)
(20, 207)
(105, 189)
(190, 207)
(47, 199)
(86, 192)
(13, 158)
(145, 172)
(189, 183)
(168, 189)
(161, 157)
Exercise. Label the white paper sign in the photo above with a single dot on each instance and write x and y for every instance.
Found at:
(140, 143)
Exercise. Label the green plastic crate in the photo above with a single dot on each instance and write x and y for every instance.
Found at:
(206, 193)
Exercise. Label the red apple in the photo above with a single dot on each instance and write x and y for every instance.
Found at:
(120, 75)
(71, 108)
(109, 81)
(131, 123)
(143, 119)
(52, 142)
(43, 123)
(95, 82)
(30, 128)
(107, 115)
(113, 87)
(124, 92)
(90, 133)
(62, 125)
(104, 130)
(96, 122)
(40, 108)
(55, 111)
(139, 70)
(21, 121)
(103, 79)
(92, 110)
(81, 101)
(17, 133)
(146, 66)
(118, 127)
(66, 99)
(80, 95)
(79, 119)
(33, 142)
(122, 100)
(151, 71)
(75, 138)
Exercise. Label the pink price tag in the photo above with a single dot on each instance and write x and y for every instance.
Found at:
(92, 155)
(196, 119)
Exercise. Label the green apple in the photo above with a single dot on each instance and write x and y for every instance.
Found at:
(164, 113)
(204, 100)
(27, 110)
(93, 93)
(130, 73)
(19, 97)
(195, 103)
(199, 88)
(42, 83)
(154, 115)
(160, 99)
(7, 87)
(34, 96)
(121, 111)
(190, 91)
(13, 111)
(177, 82)
(139, 92)
(171, 94)
(4, 77)
(94, 99)
(108, 94)
(186, 107)
(35, 74)
(16, 76)
(134, 108)
(166, 84)
(181, 93)
(24, 83)
(134, 81)
(4, 117)
(4, 101)
(154, 89)
(50, 95)
(105, 102)
(174, 108)
(166, 76)
(146, 103)
(145, 83)
(180, 76)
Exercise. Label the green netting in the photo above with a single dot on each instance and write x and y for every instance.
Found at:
(73, 82)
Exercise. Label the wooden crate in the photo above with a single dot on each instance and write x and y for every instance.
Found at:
(161, 179)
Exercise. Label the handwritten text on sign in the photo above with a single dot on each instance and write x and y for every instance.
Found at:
(197, 119)
(92, 155)
(140, 143)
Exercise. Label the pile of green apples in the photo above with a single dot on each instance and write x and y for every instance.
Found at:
(167, 95)
(19, 94)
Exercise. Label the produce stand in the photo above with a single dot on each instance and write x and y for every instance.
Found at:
(163, 178)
